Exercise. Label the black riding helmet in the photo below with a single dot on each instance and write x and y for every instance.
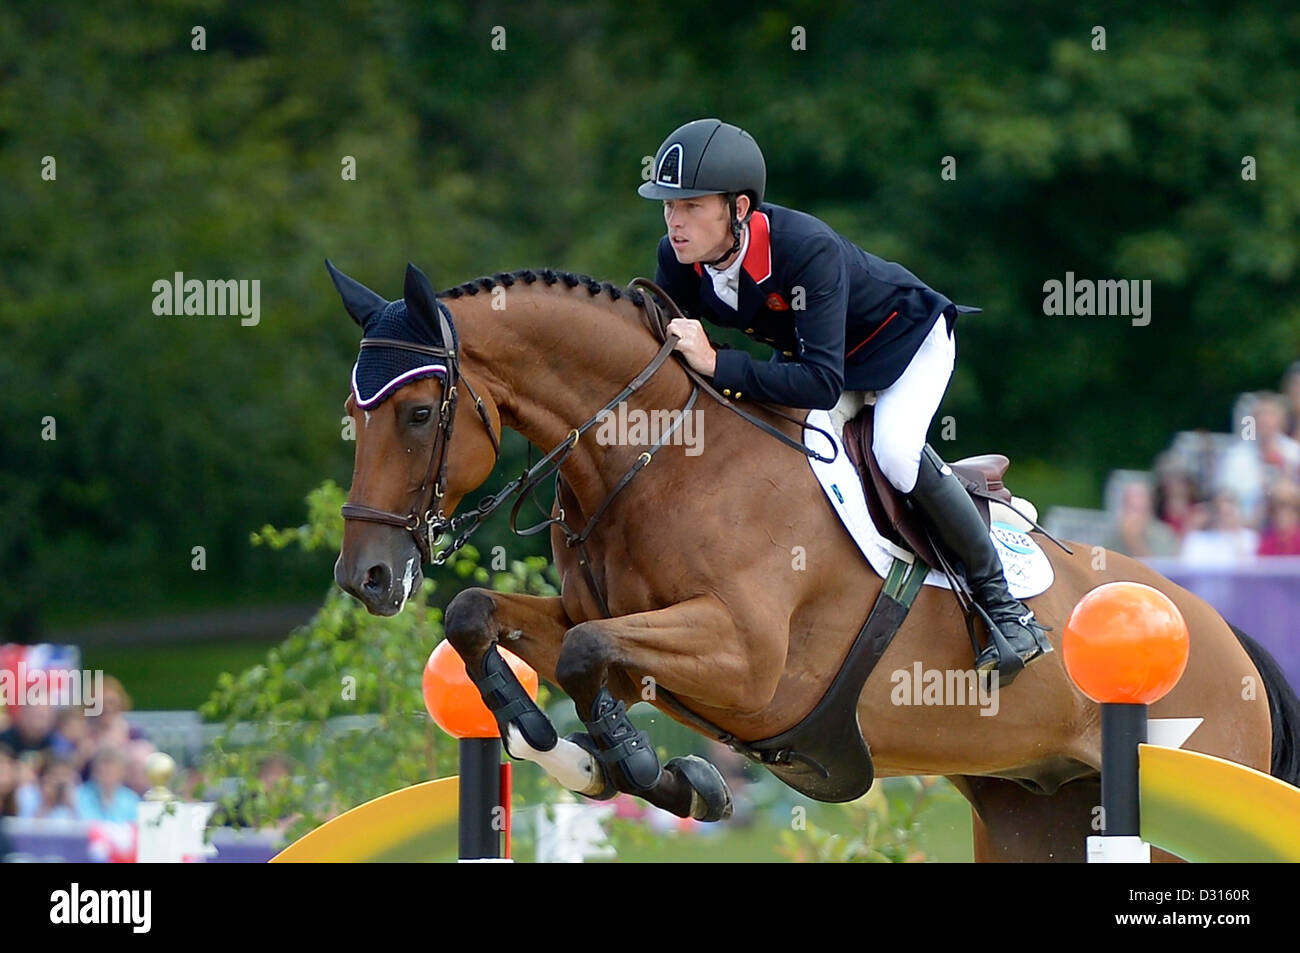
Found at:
(709, 157)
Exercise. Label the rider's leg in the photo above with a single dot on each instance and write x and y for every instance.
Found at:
(902, 418)
(905, 408)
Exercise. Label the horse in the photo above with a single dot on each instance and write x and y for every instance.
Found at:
(719, 580)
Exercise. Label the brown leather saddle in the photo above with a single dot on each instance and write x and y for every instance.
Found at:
(893, 515)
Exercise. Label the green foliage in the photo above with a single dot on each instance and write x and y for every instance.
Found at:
(182, 431)
(344, 662)
(324, 526)
(885, 823)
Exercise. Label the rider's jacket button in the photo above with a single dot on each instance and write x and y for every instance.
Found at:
(749, 330)
(788, 353)
(737, 395)
(726, 392)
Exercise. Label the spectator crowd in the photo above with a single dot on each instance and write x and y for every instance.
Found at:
(1218, 500)
(60, 763)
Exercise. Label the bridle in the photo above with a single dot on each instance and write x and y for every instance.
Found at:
(427, 522)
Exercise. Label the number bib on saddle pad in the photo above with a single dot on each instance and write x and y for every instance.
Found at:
(1028, 570)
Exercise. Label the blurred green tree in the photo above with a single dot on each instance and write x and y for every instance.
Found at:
(474, 156)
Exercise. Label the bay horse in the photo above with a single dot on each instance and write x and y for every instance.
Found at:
(722, 577)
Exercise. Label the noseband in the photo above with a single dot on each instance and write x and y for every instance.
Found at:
(426, 521)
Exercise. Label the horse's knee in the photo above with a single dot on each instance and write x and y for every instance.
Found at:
(584, 655)
(467, 622)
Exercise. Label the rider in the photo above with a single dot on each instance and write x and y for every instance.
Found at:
(838, 318)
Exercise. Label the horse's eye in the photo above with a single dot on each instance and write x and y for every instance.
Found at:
(421, 416)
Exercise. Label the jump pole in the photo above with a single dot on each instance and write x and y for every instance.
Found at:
(485, 782)
(1125, 646)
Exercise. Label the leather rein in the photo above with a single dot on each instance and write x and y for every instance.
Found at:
(427, 522)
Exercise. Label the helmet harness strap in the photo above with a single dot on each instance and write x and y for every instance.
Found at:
(735, 232)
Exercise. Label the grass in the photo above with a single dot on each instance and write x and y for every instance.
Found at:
(945, 835)
(945, 826)
(172, 677)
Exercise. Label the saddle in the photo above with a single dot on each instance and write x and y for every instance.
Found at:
(894, 516)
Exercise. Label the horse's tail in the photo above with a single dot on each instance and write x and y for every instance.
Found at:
(1284, 707)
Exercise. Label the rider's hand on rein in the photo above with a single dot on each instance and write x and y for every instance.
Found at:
(694, 344)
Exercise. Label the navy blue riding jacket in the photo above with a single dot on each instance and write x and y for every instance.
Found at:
(862, 318)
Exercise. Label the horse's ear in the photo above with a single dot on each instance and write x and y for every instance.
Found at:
(361, 303)
(420, 295)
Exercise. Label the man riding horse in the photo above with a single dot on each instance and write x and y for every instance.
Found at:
(843, 322)
(697, 608)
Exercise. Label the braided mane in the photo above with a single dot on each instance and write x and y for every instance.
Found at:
(550, 277)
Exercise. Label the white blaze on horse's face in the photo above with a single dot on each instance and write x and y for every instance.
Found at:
(408, 579)
(408, 585)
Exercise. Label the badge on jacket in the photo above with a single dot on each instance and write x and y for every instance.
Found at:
(776, 303)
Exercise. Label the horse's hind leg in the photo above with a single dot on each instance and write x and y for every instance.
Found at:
(1013, 824)
(531, 627)
(689, 648)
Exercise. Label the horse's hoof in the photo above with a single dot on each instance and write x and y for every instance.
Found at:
(710, 796)
(585, 742)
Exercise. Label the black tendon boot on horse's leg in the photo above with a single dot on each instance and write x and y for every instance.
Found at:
(1016, 638)
(512, 707)
(687, 787)
(624, 749)
(510, 704)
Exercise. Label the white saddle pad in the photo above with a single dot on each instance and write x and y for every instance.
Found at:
(1028, 570)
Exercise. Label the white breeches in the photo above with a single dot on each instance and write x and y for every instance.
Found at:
(905, 408)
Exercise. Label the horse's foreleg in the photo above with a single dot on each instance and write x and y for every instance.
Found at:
(690, 647)
(531, 627)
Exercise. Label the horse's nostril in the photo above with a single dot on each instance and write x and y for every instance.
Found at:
(378, 579)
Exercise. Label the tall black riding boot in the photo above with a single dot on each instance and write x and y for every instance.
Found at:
(957, 526)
